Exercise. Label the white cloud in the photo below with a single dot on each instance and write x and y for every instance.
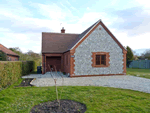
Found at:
(14, 7)
(145, 3)
(65, 7)
(24, 41)
(91, 17)
(113, 2)
(75, 9)
(4, 30)
(51, 11)
(88, 8)
(135, 42)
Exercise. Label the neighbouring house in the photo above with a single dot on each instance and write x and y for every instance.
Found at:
(94, 52)
(11, 56)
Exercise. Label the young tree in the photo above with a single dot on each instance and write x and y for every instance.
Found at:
(130, 55)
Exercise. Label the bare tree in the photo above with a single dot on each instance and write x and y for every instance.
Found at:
(55, 80)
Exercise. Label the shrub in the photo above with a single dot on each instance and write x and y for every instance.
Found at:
(11, 71)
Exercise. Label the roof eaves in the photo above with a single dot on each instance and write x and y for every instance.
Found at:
(13, 55)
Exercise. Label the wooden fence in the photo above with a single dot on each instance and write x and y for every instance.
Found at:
(142, 64)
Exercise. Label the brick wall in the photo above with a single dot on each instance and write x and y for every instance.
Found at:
(13, 58)
(66, 57)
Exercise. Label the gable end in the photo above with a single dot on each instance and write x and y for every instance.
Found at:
(91, 30)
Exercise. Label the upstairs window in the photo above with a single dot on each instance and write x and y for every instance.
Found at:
(100, 59)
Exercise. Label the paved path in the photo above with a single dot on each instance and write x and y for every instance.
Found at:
(121, 81)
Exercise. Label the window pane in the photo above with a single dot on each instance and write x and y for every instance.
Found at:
(103, 60)
(97, 59)
(103, 57)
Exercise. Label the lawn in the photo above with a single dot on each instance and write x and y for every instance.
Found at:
(97, 99)
(139, 72)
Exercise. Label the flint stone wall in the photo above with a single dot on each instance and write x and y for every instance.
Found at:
(98, 41)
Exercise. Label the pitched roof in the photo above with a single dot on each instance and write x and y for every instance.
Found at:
(81, 35)
(7, 51)
(62, 42)
(57, 42)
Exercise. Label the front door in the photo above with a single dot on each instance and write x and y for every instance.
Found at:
(53, 61)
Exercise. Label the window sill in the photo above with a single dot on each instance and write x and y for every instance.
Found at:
(100, 66)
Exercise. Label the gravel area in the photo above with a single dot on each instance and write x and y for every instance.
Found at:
(46, 75)
(121, 81)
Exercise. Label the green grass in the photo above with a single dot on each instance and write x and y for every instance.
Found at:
(97, 99)
(139, 72)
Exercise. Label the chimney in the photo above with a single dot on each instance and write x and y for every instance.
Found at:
(62, 30)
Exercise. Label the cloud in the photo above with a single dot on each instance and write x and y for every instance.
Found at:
(113, 2)
(140, 41)
(14, 6)
(65, 7)
(88, 8)
(133, 20)
(4, 30)
(75, 9)
(91, 17)
(51, 11)
(144, 3)
(26, 40)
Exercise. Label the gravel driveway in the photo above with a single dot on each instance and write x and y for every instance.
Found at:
(121, 81)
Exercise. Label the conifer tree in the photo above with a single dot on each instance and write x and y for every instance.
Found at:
(130, 55)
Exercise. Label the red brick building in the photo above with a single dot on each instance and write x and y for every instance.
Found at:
(11, 56)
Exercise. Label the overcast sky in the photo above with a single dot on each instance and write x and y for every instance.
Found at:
(23, 21)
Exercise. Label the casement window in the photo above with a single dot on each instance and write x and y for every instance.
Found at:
(100, 59)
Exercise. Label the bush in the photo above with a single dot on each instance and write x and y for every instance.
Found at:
(11, 71)
(36, 63)
(27, 67)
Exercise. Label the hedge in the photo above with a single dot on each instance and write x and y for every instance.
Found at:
(11, 71)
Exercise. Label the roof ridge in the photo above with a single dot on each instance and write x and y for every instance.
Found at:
(62, 33)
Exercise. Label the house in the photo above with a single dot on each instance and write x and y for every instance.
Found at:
(11, 56)
(94, 52)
